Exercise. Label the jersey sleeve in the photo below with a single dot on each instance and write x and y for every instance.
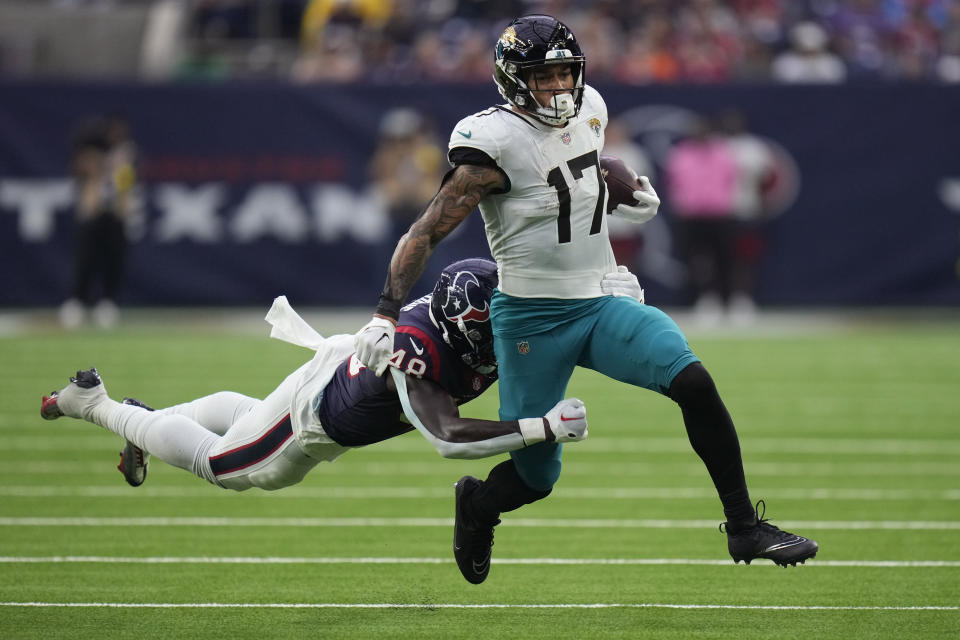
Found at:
(474, 141)
(475, 132)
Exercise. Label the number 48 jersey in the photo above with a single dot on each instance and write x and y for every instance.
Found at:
(546, 229)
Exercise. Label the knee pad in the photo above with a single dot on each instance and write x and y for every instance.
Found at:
(694, 381)
(667, 347)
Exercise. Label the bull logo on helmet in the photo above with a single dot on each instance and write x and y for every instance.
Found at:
(465, 307)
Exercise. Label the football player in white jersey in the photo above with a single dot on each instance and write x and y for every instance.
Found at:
(532, 167)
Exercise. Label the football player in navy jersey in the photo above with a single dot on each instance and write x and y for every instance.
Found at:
(532, 166)
(443, 358)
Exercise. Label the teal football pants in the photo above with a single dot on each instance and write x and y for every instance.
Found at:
(618, 337)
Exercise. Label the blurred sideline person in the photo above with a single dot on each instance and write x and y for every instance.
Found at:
(532, 166)
(443, 357)
(103, 166)
(701, 176)
(756, 171)
(808, 61)
(405, 167)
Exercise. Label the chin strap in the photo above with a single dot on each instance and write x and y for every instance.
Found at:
(563, 107)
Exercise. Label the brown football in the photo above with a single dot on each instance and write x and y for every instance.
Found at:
(620, 182)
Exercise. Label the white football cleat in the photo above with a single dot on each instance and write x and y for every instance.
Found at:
(77, 399)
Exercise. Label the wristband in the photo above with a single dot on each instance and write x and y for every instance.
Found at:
(533, 430)
(388, 308)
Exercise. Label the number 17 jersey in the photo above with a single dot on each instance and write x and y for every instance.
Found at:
(547, 229)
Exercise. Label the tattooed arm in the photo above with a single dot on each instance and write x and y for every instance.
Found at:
(461, 191)
(458, 196)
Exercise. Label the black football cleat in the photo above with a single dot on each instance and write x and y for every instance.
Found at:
(133, 459)
(763, 540)
(472, 541)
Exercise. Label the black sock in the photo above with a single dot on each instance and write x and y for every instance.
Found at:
(503, 490)
(714, 438)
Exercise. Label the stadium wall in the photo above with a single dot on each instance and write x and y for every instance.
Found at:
(247, 191)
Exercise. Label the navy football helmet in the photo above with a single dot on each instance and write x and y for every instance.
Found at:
(460, 308)
(534, 41)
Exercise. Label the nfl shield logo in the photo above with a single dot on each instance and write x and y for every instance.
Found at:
(565, 138)
(523, 348)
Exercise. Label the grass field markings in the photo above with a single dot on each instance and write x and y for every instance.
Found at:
(752, 444)
(419, 493)
(551, 523)
(436, 466)
(699, 562)
(427, 606)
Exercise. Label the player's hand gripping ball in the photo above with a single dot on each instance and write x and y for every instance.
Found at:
(629, 196)
(621, 181)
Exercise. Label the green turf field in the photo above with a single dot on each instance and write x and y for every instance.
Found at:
(850, 434)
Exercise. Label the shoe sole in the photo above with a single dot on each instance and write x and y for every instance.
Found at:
(130, 452)
(782, 563)
(127, 468)
(48, 407)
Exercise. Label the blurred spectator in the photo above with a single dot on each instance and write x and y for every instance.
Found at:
(645, 41)
(104, 170)
(862, 30)
(916, 42)
(334, 36)
(755, 171)
(637, 42)
(649, 55)
(406, 167)
(701, 185)
(708, 42)
(948, 65)
(808, 60)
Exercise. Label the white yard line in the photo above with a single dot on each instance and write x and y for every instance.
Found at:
(419, 493)
(552, 523)
(439, 467)
(407, 605)
(698, 562)
(605, 444)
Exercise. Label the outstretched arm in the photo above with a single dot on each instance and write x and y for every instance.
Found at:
(435, 415)
(460, 193)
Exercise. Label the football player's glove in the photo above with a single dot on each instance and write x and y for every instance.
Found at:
(646, 206)
(568, 420)
(374, 343)
(622, 283)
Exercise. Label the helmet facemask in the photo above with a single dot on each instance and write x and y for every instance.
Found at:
(521, 50)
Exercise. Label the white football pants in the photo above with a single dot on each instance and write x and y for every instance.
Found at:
(226, 438)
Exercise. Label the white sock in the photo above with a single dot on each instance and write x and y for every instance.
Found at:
(173, 438)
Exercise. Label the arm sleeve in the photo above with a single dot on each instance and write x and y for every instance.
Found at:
(483, 441)
(469, 155)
